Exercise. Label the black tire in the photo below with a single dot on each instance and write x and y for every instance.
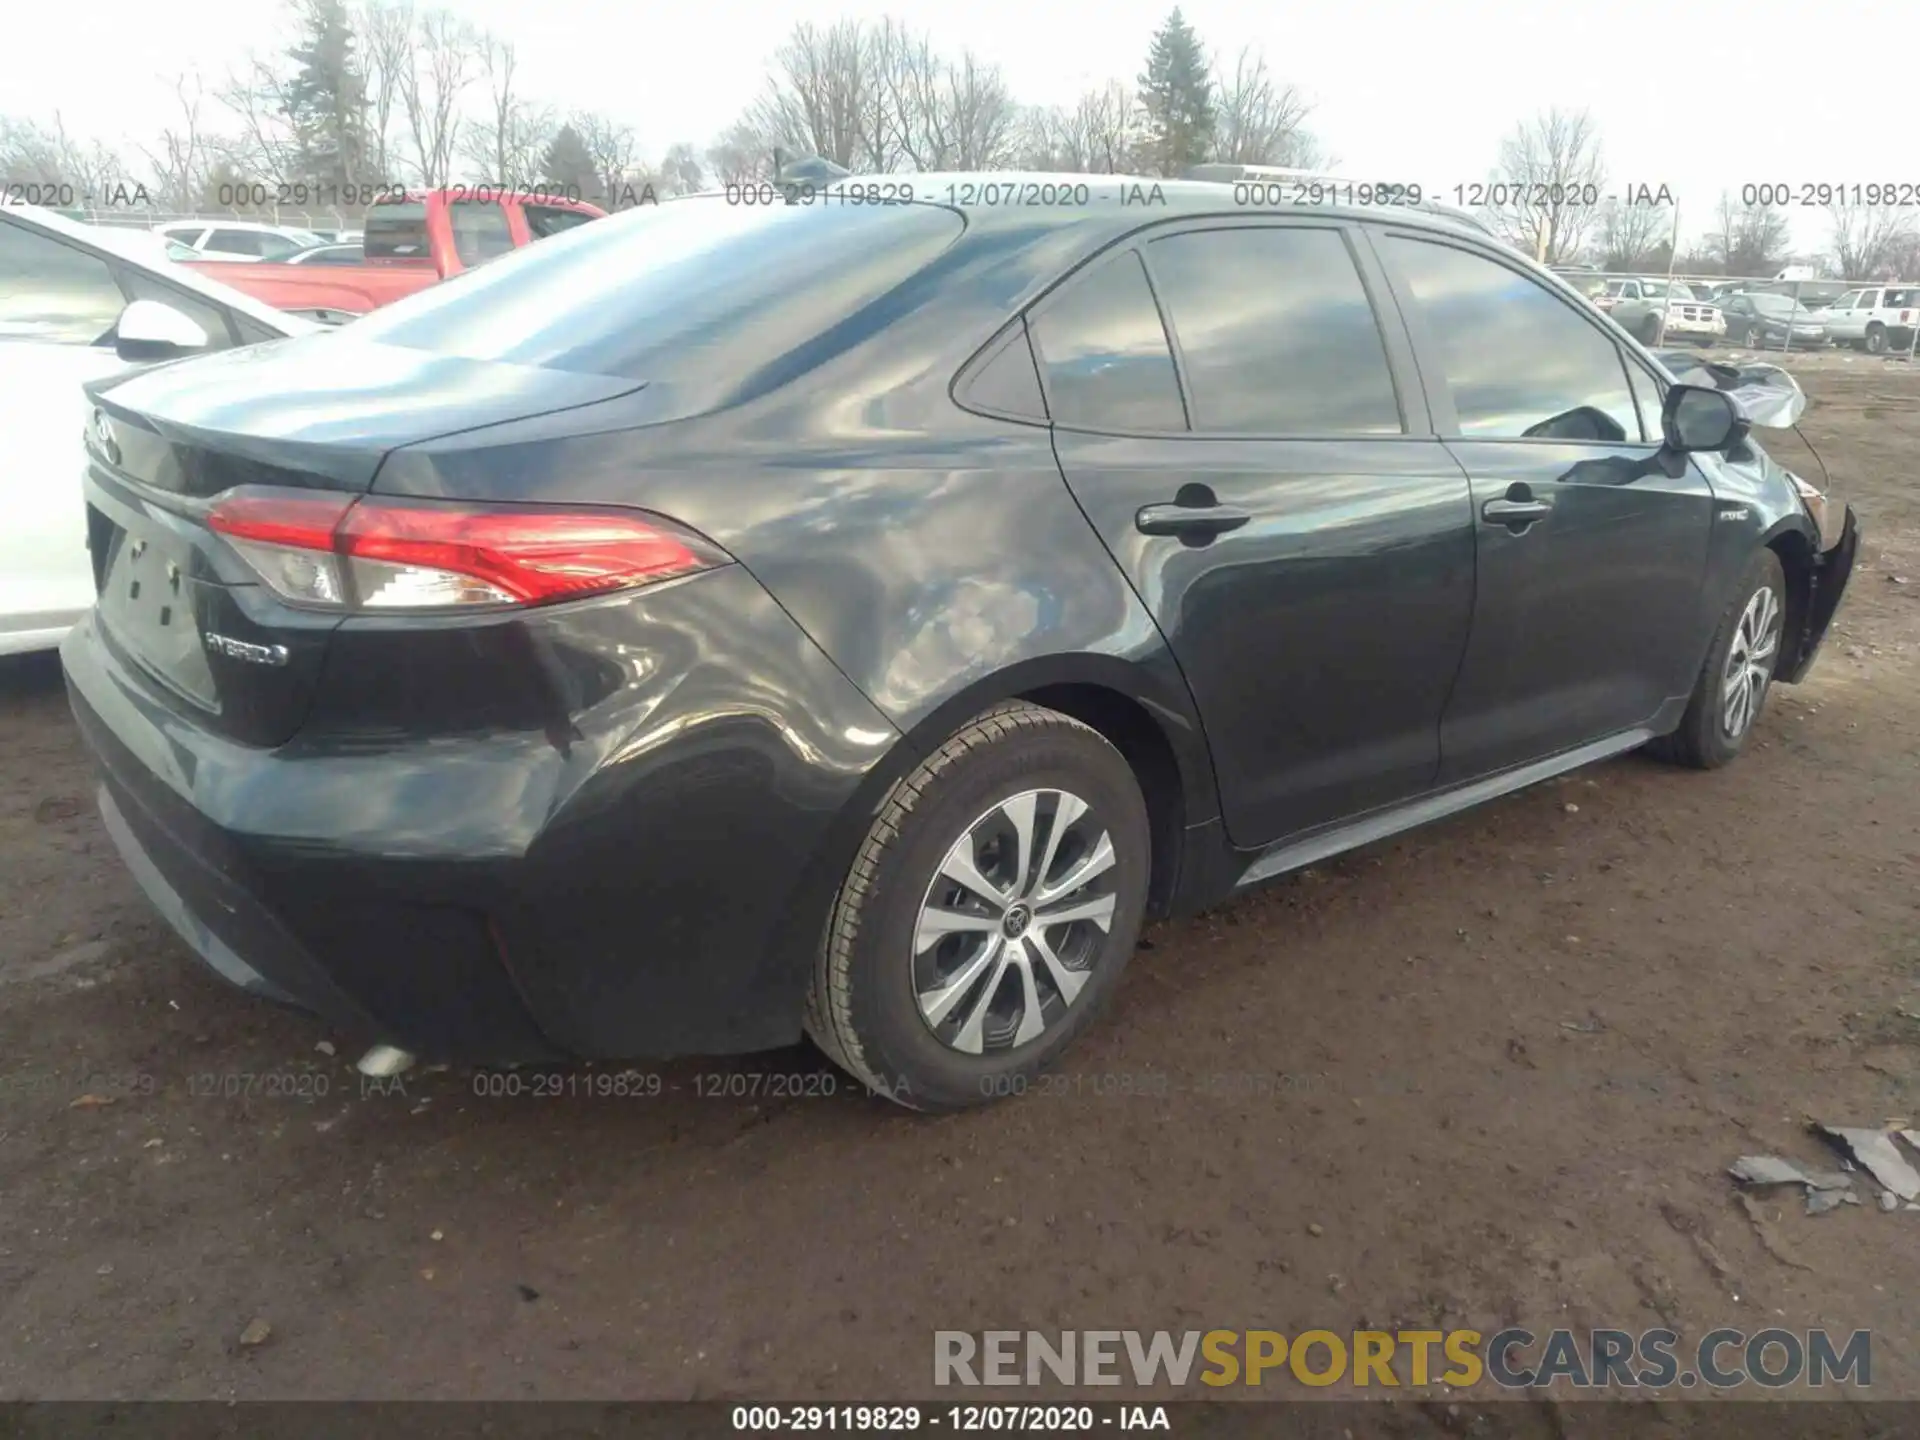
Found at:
(1704, 741)
(861, 1003)
(1876, 339)
(1650, 330)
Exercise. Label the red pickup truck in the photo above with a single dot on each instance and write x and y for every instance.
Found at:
(412, 241)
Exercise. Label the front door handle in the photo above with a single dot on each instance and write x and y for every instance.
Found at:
(1193, 523)
(1512, 512)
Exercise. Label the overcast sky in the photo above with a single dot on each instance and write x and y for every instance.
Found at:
(1700, 96)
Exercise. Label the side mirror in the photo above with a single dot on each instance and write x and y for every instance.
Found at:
(1695, 418)
(152, 330)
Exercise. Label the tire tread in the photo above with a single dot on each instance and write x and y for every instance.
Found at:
(829, 1009)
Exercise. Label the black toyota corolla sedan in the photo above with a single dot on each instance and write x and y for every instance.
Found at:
(731, 620)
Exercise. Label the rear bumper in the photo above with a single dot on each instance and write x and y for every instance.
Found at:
(643, 871)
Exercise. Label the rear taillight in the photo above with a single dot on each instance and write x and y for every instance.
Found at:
(348, 553)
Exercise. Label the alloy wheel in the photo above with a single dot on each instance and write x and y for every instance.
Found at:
(1750, 660)
(1014, 922)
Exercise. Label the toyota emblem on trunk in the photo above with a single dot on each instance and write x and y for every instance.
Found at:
(103, 437)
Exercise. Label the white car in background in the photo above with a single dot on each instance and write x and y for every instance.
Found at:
(1876, 319)
(78, 302)
(242, 240)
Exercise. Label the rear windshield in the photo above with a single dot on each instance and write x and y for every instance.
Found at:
(397, 231)
(663, 290)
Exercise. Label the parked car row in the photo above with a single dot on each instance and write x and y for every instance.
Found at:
(1647, 309)
(409, 243)
(1768, 315)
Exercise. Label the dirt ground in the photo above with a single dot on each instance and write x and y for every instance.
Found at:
(1491, 1072)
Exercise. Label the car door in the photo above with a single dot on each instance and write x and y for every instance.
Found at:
(57, 302)
(1251, 443)
(60, 304)
(1840, 318)
(1590, 559)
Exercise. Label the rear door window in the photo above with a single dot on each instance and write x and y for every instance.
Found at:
(1104, 352)
(480, 231)
(1275, 332)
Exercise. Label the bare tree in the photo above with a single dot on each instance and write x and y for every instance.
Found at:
(981, 119)
(35, 154)
(1259, 120)
(1629, 236)
(613, 150)
(1903, 257)
(741, 156)
(266, 147)
(445, 49)
(932, 113)
(507, 144)
(1749, 239)
(824, 97)
(1867, 237)
(185, 153)
(1101, 134)
(386, 33)
(680, 171)
(1108, 120)
(1550, 169)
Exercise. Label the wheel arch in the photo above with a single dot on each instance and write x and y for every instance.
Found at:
(1795, 552)
(1149, 718)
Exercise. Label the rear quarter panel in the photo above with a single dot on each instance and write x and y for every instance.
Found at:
(935, 555)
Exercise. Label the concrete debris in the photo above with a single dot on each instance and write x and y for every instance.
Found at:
(1889, 1200)
(1819, 1202)
(1772, 1170)
(1876, 1152)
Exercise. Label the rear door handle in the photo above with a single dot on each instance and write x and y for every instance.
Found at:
(1190, 522)
(1516, 512)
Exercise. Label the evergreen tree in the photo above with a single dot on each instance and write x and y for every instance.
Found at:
(326, 101)
(568, 165)
(1177, 94)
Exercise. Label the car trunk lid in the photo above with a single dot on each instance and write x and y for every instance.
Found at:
(177, 603)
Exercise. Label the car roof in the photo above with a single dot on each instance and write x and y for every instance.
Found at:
(104, 237)
(1136, 200)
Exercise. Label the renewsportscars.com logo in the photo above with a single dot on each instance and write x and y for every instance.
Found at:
(1513, 1359)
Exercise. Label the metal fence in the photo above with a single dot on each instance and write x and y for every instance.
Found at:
(144, 219)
